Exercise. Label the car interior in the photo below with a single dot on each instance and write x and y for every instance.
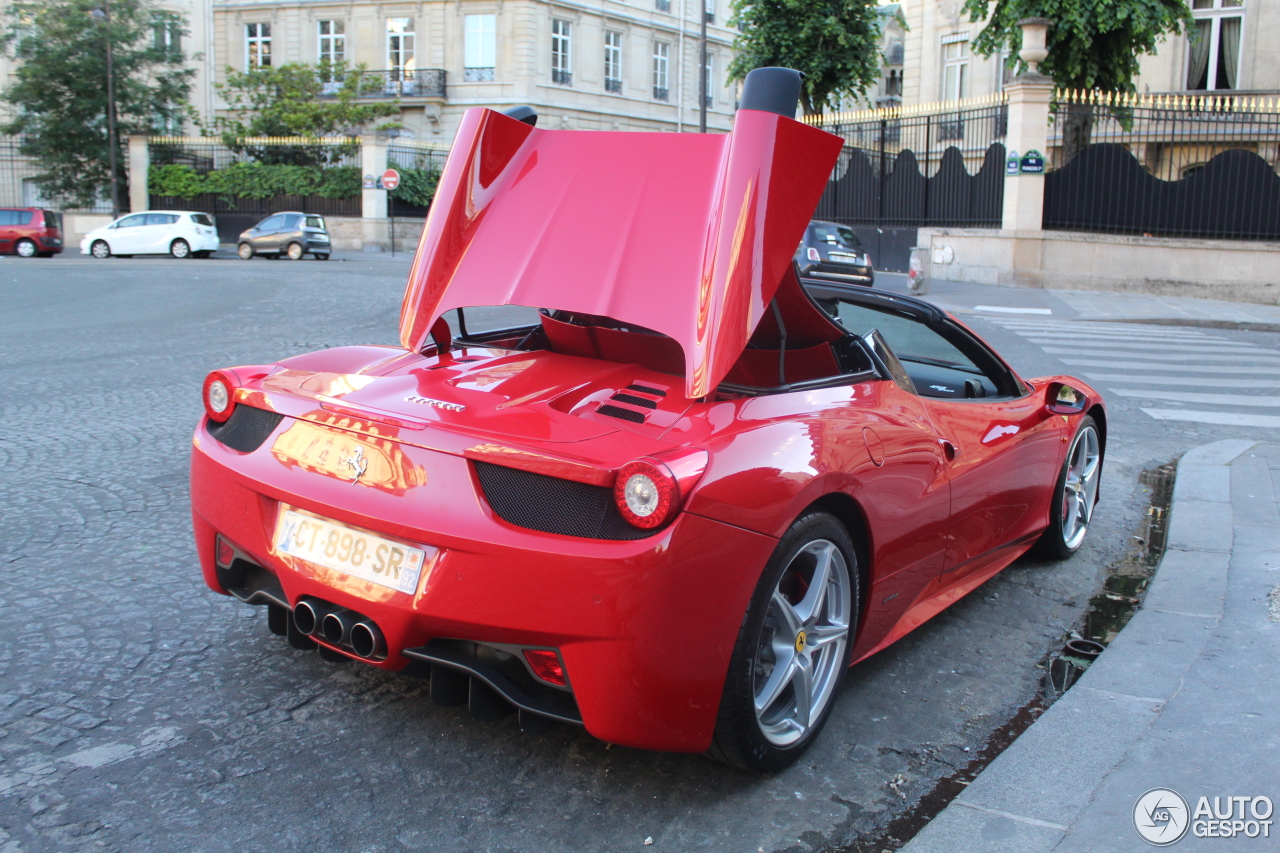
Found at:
(799, 343)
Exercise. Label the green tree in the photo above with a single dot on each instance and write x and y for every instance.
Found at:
(836, 43)
(58, 87)
(1093, 44)
(295, 99)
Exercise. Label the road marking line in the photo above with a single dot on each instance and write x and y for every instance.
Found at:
(1123, 334)
(1190, 397)
(1188, 368)
(1262, 357)
(1181, 381)
(1220, 418)
(1183, 346)
(1002, 310)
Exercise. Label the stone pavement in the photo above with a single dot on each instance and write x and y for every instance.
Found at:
(1185, 698)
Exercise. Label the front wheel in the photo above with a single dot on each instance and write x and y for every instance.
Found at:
(294, 252)
(245, 251)
(25, 248)
(100, 249)
(792, 650)
(1074, 495)
(180, 248)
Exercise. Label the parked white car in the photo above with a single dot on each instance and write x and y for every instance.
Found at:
(181, 233)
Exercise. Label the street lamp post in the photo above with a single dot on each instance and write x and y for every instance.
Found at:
(102, 15)
(702, 69)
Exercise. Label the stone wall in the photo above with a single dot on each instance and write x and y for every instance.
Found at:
(1232, 270)
(354, 234)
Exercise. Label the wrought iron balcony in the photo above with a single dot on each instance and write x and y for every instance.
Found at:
(613, 85)
(561, 78)
(660, 93)
(393, 83)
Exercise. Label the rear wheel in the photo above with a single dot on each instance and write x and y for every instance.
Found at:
(294, 252)
(25, 248)
(180, 248)
(245, 251)
(1074, 495)
(792, 650)
(100, 249)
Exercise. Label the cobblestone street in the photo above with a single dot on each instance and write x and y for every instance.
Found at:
(141, 712)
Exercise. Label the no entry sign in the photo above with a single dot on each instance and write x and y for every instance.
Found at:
(390, 179)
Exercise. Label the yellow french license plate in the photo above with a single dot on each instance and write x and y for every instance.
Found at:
(358, 553)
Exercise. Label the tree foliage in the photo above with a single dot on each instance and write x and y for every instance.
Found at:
(836, 43)
(58, 88)
(296, 99)
(1093, 44)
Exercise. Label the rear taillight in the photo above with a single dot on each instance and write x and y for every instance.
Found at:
(813, 254)
(225, 552)
(650, 491)
(219, 391)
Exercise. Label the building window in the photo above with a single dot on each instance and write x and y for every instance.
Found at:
(480, 47)
(662, 5)
(166, 29)
(708, 77)
(1213, 60)
(332, 45)
(661, 64)
(257, 45)
(893, 84)
(561, 52)
(613, 61)
(709, 7)
(955, 68)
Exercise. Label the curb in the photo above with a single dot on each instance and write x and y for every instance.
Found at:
(1027, 799)
(1235, 325)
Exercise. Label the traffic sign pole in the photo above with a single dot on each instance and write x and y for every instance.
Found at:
(391, 180)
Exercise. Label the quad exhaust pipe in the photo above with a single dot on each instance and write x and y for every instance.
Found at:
(339, 626)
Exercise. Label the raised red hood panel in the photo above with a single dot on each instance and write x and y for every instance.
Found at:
(685, 234)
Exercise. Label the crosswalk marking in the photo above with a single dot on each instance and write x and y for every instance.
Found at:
(1181, 374)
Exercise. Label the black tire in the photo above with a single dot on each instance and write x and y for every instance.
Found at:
(739, 738)
(100, 249)
(25, 248)
(245, 251)
(1054, 543)
(180, 249)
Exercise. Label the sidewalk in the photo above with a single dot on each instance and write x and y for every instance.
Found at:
(1187, 697)
(991, 300)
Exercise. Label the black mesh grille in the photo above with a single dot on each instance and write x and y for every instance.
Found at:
(645, 389)
(632, 400)
(246, 429)
(553, 505)
(621, 414)
(511, 668)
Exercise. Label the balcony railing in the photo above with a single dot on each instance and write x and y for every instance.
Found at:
(612, 85)
(660, 93)
(393, 83)
(561, 78)
(477, 75)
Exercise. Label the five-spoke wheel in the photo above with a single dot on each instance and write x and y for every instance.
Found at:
(1075, 494)
(792, 649)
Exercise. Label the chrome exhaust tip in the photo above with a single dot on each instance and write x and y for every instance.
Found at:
(367, 641)
(336, 627)
(307, 615)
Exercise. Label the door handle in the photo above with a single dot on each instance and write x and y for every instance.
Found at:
(949, 449)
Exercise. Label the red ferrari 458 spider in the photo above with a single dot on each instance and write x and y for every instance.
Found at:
(672, 496)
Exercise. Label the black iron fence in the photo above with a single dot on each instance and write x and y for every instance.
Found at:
(906, 168)
(1172, 165)
(419, 165)
(391, 83)
(18, 187)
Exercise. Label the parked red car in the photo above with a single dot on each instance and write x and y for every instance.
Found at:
(30, 232)
(675, 502)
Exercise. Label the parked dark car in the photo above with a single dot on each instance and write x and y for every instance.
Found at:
(30, 232)
(832, 251)
(287, 235)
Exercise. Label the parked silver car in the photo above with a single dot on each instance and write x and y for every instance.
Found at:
(287, 235)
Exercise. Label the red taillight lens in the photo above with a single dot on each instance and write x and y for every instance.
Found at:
(219, 391)
(546, 664)
(813, 254)
(224, 553)
(646, 494)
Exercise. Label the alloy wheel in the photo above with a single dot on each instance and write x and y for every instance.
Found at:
(100, 249)
(803, 643)
(1080, 488)
(245, 251)
(294, 251)
(26, 249)
(180, 249)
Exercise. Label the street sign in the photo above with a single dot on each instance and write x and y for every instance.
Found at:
(1032, 163)
(390, 179)
(1011, 164)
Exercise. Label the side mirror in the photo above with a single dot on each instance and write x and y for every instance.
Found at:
(1062, 399)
